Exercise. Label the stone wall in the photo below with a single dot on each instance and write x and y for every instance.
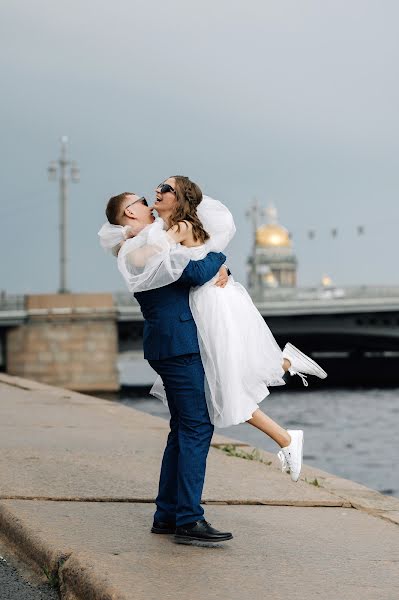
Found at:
(69, 340)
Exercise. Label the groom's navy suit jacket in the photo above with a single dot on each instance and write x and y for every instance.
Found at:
(169, 328)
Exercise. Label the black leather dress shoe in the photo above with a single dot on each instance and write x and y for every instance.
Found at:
(200, 531)
(162, 527)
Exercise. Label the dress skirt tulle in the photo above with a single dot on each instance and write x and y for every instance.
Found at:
(241, 358)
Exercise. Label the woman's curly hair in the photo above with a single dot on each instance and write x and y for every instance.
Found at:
(188, 196)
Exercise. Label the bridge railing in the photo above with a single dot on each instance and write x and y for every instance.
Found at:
(322, 292)
(301, 293)
(125, 299)
(274, 301)
(10, 302)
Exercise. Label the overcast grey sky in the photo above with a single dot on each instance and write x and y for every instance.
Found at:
(294, 102)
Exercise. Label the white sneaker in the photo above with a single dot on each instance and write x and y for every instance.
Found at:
(291, 456)
(301, 364)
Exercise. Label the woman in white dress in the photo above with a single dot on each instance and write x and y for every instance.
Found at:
(240, 356)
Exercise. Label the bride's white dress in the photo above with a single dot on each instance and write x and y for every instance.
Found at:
(241, 358)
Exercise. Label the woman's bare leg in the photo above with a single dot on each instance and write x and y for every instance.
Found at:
(270, 427)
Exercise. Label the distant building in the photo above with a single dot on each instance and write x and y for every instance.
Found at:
(273, 262)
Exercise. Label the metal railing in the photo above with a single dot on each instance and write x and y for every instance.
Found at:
(274, 301)
(303, 293)
(9, 302)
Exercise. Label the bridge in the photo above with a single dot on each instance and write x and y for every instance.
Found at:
(281, 302)
(353, 331)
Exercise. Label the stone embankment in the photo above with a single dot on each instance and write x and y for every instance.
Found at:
(78, 478)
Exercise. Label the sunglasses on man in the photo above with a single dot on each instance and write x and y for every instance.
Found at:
(142, 200)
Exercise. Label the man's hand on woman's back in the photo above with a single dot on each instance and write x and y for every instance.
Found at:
(223, 277)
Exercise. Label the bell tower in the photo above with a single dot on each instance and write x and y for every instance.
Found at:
(273, 262)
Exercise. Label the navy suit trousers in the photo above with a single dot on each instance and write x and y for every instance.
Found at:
(184, 460)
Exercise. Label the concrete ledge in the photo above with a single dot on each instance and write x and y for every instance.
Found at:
(27, 542)
(341, 492)
(29, 384)
(80, 580)
(78, 476)
(105, 552)
(73, 575)
(352, 493)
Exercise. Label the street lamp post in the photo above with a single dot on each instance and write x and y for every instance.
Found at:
(68, 171)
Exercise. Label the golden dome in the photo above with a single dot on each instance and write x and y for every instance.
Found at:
(273, 235)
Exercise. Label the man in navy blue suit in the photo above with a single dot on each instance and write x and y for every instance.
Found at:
(171, 347)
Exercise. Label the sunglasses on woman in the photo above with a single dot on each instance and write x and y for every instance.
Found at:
(164, 188)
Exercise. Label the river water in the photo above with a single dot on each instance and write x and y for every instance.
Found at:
(351, 433)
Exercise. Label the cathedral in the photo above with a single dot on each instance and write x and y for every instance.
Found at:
(273, 263)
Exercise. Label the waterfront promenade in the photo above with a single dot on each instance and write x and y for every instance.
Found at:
(78, 477)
